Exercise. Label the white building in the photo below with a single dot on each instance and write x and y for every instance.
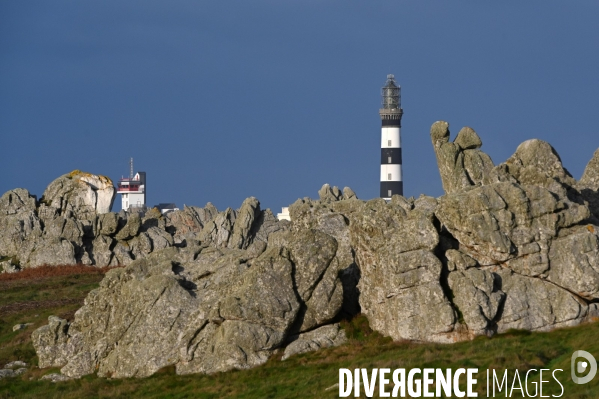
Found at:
(133, 191)
(284, 215)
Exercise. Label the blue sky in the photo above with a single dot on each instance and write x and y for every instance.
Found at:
(218, 101)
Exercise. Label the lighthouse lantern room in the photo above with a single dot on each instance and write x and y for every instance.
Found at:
(133, 190)
(391, 112)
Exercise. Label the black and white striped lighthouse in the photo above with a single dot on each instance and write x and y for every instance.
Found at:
(391, 182)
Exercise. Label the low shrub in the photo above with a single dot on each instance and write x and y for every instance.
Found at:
(35, 273)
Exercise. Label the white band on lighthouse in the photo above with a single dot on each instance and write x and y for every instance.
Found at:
(390, 173)
(390, 137)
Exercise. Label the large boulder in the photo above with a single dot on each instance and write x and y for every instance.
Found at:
(323, 337)
(52, 346)
(51, 251)
(329, 194)
(108, 223)
(100, 251)
(574, 262)
(81, 193)
(266, 224)
(536, 162)
(526, 229)
(503, 221)
(33, 241)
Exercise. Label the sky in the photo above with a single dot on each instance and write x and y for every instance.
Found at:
(219, 101)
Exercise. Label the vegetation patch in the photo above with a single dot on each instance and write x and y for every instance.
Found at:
(42, 272)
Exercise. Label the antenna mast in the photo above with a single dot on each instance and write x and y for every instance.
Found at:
(131, 169)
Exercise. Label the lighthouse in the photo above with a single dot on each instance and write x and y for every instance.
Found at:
(391, 112)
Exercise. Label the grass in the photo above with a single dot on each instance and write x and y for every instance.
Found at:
(302, 376)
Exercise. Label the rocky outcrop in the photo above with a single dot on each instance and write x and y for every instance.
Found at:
(240, 237)
(51, 343)
(200, 308)
(19, 225)
(509, 246)
(17, 201)
(51, 251)
(331, 218)
(234, 289)
(57, 229)
(528, 255)
(72, 223)
(331, 194)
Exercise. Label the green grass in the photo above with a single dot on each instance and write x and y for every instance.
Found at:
(26, 301)
(303, 376)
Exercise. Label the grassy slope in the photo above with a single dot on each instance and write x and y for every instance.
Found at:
(303, 376)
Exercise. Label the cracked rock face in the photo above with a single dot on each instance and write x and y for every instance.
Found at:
(20, 226)
(400, 289)
(537, 305)
(477, 296)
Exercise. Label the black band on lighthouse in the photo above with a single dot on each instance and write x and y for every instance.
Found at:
(390, 188)
(392, 122)
(390, 156)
